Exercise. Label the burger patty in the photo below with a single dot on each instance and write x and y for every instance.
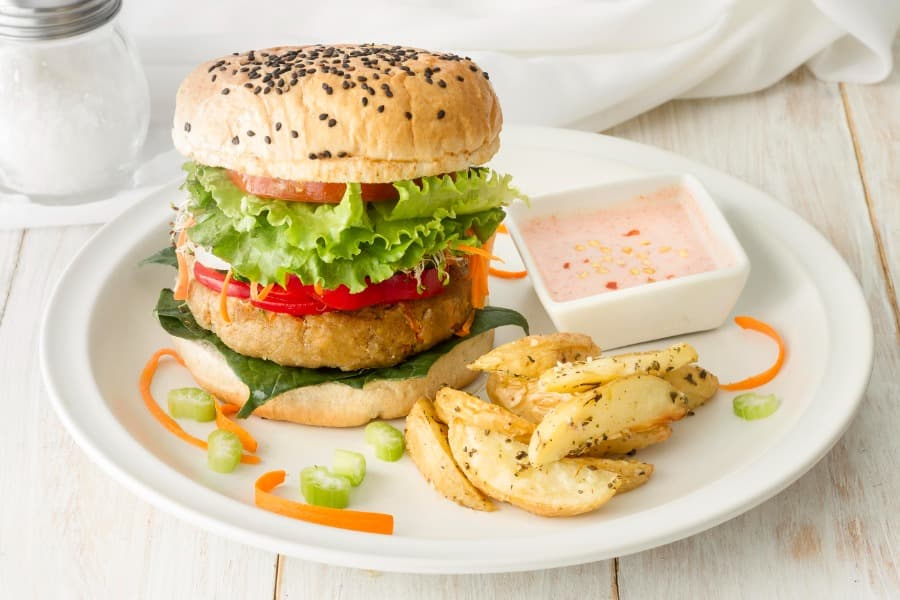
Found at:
(376, 336)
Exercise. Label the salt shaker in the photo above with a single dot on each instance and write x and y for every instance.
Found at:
(74, 101)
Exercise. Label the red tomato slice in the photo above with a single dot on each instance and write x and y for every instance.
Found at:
(293, 301)
(308, 191)
(299, 299)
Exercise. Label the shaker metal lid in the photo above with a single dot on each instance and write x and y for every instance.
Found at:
(53, 19)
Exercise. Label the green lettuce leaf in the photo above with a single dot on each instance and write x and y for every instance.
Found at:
(267, 379)
(347, 243)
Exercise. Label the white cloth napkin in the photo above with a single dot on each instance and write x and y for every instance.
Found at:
(576, 63)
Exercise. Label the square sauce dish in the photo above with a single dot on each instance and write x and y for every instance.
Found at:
(631, 261)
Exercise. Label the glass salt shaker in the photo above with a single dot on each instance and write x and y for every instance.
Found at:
(74, 101)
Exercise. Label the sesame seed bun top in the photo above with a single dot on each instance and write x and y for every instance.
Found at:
(366, 113)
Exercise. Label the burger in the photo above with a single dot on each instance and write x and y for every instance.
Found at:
(333, 244)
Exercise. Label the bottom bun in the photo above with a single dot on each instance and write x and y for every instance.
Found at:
(335, 404)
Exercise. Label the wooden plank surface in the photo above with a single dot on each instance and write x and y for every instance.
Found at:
(828, 535)
(873, 116)
(66, 529)
(301, 580)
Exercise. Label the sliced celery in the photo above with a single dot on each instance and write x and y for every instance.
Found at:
(755, 406)
(321, 487)
(224, 451)
(351, 465)
(386, 439)
(192, 403)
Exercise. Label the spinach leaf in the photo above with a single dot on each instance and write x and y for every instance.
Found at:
(166, 256)
(267, 379)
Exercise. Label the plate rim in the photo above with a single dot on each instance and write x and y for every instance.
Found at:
(461, 556)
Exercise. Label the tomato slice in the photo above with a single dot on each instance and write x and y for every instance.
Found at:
(308, 191)
(298, 299)
(398, 288)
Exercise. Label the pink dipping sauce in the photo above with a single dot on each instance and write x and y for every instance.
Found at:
(649, 238)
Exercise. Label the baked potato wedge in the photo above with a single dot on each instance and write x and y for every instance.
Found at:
(633, 473)
(532, 355)
(452, 404)
(627, 404)
(578, 376)
(498, 466)
(522, 396)
(695, 382)
(426, 443)
(630, 440)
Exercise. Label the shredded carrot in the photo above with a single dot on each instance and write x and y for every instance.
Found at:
(369, 522)
(317, 288)
(411, 320)
(181, 287)
(228, 409)
(222, 422)
(501, 228)
(483, 252)
(466, 327)
(264, 293)
(503, 274)
(770, 373)
(165, 420)
(223, 298)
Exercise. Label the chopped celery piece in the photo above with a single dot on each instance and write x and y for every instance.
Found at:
(321, 487)
(755, 406)
(224, 451)
(387, 440)
(192, 403)
(351, 465)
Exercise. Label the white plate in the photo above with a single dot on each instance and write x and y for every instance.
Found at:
(99, 330)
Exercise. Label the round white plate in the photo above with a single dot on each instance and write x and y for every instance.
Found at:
(99, 331)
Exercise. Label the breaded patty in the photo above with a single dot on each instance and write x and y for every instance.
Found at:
(375, 336)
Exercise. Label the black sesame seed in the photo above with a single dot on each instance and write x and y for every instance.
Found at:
(323, 116)
(267, 90)
(380, 108)
(408, 115)
(294, 134)
(442, 83)
(460, 78)
(257, 90)
(365, 101)
(278, 126)
(250, 133)
(326, 154)
(328, 89)
(342, 154)
(187, 127)
(213, 79)
(235, 140)
(248, 85)
(225, 92)
(345, 84)
(486, 76)
(473, 68)
(267, 139)
(441, 114)
(332, 122)
(312, 156)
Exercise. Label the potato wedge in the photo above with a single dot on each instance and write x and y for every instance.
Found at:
(632, 440)
(627, 404)
(532, 355)
(522, 396)
(698, 384)
(578, 376)
(455, 404)
(633, 473)
(498, 466)
(426, 443)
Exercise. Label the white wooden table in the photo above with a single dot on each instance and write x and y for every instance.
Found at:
(831, 152)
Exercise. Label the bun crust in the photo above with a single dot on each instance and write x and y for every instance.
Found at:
(372, 114)
(335, 404)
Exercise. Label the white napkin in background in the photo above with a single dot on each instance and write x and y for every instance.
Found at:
(576, 63)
